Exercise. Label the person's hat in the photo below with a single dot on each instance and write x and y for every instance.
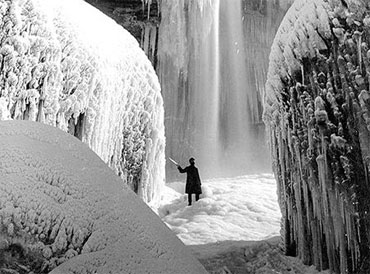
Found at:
(191, 159)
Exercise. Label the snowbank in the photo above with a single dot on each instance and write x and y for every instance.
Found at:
(262, 257)
(239, 209)
(58, 197)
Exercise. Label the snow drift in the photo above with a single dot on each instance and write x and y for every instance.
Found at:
(87, 76)
(58, 197)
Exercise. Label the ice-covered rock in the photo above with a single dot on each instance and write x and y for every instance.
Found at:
(316, 110)
(87, 76)
(58, 197)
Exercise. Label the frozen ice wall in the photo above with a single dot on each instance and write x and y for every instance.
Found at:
(59, 200)
(66, 64)
(316, 109)
(213, 57)
(188, 58)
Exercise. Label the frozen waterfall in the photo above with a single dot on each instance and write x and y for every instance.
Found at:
(85, 75)
(212, 73)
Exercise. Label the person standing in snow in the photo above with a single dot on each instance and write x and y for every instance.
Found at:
(193, 183)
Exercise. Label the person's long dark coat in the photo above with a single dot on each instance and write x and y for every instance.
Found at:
(193, 183)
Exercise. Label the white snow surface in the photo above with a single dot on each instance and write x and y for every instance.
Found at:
(60, 198)
(243, 208)
(234, 227)
(68, 65)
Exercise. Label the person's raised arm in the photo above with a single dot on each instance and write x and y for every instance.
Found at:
(182, 170)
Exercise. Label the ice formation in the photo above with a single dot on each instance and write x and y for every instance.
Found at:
(212, 60)
(148, 40)
(87, 76)
(58, 197)
(316, 108)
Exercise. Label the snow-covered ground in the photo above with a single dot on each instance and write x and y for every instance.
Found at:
(51, 175)
(234, 227)
(242, 208)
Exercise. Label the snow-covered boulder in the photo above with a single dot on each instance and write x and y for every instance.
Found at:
(57, 197)
(66, 64)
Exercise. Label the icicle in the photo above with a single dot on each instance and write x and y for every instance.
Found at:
(146, 39)
(153, 40)
(302, 73)
(358, 37)
(147, 3)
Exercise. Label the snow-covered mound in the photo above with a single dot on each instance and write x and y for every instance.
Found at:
(58, 197)
(85, 75)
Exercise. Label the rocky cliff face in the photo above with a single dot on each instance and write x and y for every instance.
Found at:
(317, 114)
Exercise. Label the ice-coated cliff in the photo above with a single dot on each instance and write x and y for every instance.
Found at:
(66, 64)
(316, 109)
(212, 61)
(59, 199)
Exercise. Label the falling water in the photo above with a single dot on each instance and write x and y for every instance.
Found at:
(212, 84)
(235, 110)
(204, 80)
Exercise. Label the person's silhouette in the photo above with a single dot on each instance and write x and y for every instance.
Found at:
(193, 183)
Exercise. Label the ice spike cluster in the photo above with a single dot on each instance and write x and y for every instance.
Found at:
(316, 108)
(87, 76)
